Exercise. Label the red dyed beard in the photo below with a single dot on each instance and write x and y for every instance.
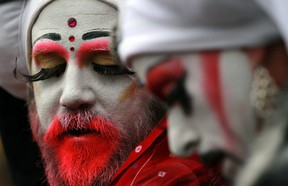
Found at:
(73, 159)
(81, 158)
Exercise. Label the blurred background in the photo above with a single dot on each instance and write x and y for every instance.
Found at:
(5, 177)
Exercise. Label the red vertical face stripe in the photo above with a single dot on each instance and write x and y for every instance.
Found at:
(212, 87)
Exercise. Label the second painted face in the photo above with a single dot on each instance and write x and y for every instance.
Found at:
(85, 103)
(209, 112)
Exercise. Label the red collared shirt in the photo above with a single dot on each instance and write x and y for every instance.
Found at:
(151, 164)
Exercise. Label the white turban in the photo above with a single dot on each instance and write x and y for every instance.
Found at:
(10, 13)
(153, 26)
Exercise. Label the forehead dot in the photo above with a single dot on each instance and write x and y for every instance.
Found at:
(72, 22)
(72, 49)
(71, 38)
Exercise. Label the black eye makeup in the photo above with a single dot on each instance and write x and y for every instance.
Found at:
(46, 73)
(112, 70)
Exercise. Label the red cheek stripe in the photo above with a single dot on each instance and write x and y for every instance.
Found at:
(99, 45)
(49, 47)
(213, 91)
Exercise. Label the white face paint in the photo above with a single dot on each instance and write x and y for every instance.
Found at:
(221, 118)
(79, 84)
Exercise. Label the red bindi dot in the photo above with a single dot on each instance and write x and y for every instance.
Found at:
(72, 22)
(72, 49)
(71, 38)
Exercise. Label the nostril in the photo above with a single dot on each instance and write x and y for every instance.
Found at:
(190, 147)
(212, 157)
(84, 106)
(78, 105)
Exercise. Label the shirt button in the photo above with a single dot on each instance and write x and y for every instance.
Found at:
(161, 174)
(138, 148)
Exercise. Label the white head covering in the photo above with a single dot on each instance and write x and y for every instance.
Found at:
(153, 26)
(10, 13)
(277, 10)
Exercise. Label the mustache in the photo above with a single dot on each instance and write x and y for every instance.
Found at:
(76, 119)
(80, 122)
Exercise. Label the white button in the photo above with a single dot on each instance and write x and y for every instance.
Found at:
(161, 174)
(138, 149)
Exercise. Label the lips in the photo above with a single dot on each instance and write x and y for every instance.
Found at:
(80, 132)
(98, 129)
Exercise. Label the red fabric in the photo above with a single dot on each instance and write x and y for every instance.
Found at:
(151, 164)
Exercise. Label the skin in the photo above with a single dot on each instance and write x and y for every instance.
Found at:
(222, 121)
(214, 122)
(114, 111)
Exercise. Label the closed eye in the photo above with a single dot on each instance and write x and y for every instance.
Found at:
(46, 73)
(112, 70)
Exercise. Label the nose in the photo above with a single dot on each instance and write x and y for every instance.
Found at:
(77, 92)
(183, 144)
(183, 138)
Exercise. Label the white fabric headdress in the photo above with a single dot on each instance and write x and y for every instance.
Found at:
(10, 13)
(153, 26)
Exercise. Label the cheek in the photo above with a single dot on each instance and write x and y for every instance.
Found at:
(46, 103)
(128, 92)
(116, 89)
(34, 68)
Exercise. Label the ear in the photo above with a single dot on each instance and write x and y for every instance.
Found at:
(274, 58)
(256, 55)
(277, 63)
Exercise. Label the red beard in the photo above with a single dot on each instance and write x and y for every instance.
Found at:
(80, 158)
(95, 156)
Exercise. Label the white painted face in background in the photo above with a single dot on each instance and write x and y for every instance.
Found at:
(219, 116)
(84, 101)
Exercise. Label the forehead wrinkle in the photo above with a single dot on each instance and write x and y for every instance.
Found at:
(96, 13)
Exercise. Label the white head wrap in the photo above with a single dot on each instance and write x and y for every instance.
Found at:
(10, 13)
(153, 26)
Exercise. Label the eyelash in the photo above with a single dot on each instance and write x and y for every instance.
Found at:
(46, 73)
(56, 71)
(112, 70)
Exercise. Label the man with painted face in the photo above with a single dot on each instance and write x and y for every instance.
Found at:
(92, 122)
(200, 58)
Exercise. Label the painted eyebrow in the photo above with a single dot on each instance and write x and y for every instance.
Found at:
(95, 34)
(51, 36)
